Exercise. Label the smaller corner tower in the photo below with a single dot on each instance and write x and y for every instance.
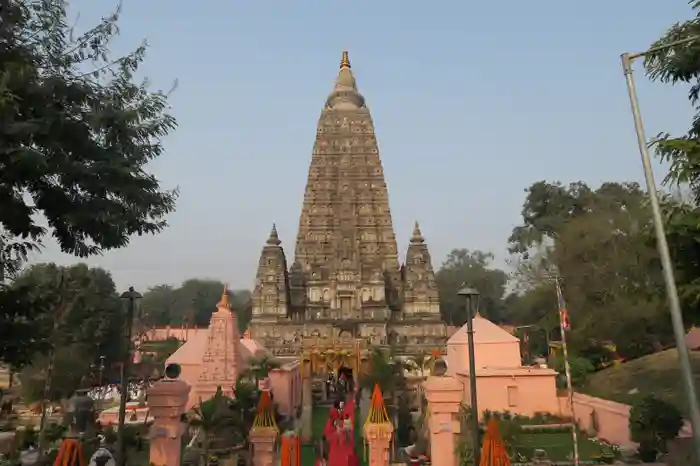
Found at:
(271, 293)
(420, 292)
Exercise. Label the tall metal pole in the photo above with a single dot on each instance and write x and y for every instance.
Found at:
(567, 372)
(662, 244)
(131, 296)
(472, 382)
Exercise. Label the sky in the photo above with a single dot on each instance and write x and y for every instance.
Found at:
(473, 101)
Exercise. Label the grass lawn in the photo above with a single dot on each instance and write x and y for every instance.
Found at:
(558, 445)
(656, 373)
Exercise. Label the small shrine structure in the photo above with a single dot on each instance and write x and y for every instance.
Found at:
(215, 358)
(503, 383)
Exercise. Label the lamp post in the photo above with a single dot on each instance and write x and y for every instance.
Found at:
(662, 244)
(471, 298)
(130, 297)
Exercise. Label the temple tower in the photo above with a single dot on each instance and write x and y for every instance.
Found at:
(346, 281)
(346, 242)
(222, 358)
(271, 292)
(420, 292)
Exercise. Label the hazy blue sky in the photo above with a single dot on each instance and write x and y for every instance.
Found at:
(472, 100)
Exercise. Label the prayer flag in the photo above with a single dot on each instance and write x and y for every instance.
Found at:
(563, 312)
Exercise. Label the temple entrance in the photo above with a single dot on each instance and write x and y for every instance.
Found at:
(345, 377)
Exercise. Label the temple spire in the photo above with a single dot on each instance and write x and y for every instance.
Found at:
(224, 301)
(417, 236)
(274, 239)
(345, 61)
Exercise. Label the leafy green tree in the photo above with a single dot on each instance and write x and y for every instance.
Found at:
(22, 312)
(259, 367)
(652, 423)
(192, 303)
(76, 133)
(213, 415)
(84, 317)
(385, 370)
(476, 269)
(681, 153)
(600, 242)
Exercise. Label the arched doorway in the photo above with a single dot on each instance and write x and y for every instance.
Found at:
(345, 373)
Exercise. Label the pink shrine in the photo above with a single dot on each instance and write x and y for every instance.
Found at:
(503, 383)
(216, 356)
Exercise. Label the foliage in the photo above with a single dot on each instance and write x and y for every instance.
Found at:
(83, 316)
(600, 242)
(680, 64)
(76, 134)
(653, 422)
(192, 303)
(475, 268)
(464, 448)
(21, 313)
(580, 368)
(213, 415)
(259, 367)
(509, 427)
(385, 370)
(245, 403)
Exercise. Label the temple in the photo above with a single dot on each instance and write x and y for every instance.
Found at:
(346, 282)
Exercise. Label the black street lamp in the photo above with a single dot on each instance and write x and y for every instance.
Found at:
(131, 297)
(471, 298)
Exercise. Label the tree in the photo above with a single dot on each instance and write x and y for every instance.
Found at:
(192, 303)
(76, 133)
(21, 314)
(259, 367)
(474, 268)
(385, 370)
(82, 321)
(652, 423)
(600, 243)
(213, 415)
(681, 65)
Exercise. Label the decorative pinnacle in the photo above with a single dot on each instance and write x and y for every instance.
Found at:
(345, 61)
(224, 302)
(417, 236)
(274, 239)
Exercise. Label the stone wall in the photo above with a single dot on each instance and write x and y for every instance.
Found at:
(605, 419)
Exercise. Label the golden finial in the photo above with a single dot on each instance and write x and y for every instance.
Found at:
(345, 61)
(224, 302)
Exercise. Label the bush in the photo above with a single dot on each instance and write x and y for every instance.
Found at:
(652, 423)
(580, 367)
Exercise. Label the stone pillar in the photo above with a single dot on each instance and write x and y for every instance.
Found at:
(263, 441)
(444, 395)
(378, 438)
(306, 408)
(166, 403)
